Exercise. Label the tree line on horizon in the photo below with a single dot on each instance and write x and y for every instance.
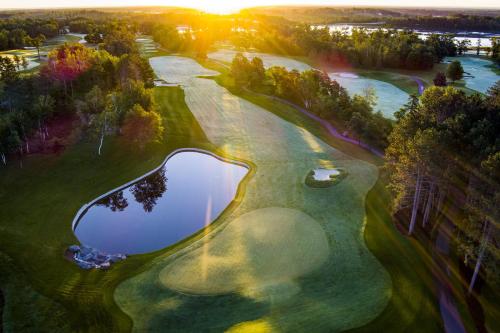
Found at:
(361, 48)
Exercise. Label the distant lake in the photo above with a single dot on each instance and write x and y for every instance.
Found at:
(484, 38)
(189, 192)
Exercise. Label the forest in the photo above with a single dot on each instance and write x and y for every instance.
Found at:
(362, 48)
(453, 23)
(430, 19)
(18, 33)
(445, 150)
(108, 89)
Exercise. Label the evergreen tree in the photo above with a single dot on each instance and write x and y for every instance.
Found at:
(455, 71)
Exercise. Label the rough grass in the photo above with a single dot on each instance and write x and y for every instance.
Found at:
(413, 303)
(43, 291)
(349, 289)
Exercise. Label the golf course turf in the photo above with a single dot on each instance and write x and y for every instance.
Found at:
(242, 258)
(43, 291)
(35, 229)
(349, 279)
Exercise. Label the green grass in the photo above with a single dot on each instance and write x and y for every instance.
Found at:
(38, 202)
(403, 82)
(413, 303)
(37, 205)
(289, 114)
(149, 54)
(350, 277)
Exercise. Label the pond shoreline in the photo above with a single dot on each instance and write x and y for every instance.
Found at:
(87, 205)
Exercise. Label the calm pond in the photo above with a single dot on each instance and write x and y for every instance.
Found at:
(163, 208)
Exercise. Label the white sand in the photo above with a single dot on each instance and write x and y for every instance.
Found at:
(325, 174)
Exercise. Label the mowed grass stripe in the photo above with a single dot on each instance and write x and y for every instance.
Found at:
(348, 290)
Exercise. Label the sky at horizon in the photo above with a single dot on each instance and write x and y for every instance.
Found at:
(228, 6)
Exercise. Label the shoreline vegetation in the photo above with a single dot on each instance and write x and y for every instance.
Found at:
(90, 118)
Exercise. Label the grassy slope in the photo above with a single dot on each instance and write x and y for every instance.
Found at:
(37, 204)
(283, 154)
(413, 301)
(91, 177)
(290, 114)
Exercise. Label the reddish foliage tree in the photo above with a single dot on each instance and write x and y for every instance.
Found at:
(66, 63)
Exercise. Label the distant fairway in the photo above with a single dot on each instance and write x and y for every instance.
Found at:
(481, 76)
(31, 54)
(389, 97)
(269, 60)
(288, 257)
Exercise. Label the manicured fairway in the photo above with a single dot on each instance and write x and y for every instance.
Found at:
(269, 60)
(479, 76)
(30, 55)
(346, 288)
(147, 46)
(389, 97)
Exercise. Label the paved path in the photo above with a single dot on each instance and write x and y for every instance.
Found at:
(328, 126)
(447, 302)
(421, 85)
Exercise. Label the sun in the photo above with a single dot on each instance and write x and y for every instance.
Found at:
(220, 6)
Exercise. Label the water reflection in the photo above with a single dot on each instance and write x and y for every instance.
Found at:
(150, 189)
(147, 216)
(115, 202)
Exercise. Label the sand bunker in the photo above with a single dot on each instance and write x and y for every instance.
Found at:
(258, 250)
